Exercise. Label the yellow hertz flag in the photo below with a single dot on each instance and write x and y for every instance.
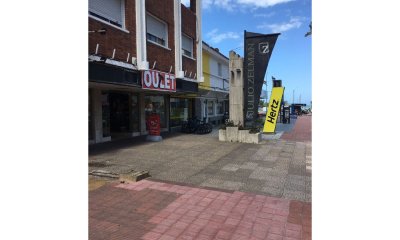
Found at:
(273, 110)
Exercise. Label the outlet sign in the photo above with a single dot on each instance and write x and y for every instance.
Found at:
(159, 81)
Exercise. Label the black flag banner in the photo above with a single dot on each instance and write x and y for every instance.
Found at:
(257, 51)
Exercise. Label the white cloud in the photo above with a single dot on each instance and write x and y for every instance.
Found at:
(262, 3)
(295, 22)
(231, 5)
(225, 4)
(207, 3)
(265, 15)
(215, 37)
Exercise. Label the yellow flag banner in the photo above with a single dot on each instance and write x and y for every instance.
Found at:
(273, 110)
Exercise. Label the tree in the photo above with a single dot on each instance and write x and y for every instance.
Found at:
(308, 33)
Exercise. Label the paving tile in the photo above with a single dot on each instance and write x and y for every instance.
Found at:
(273, 191)
(151, 236)
(293, 234)
(232, 185)
(231, 167)
(290, 194)
(249, 165)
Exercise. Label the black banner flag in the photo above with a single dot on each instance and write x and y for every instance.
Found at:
(257, 51)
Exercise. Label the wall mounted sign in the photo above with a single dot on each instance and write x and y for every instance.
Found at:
(159, 81)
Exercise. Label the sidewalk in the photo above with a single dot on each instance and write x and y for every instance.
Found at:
(275, 168)
(154, 210)
(201, 188)
(302, 130)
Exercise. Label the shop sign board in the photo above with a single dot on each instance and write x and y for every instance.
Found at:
(159, 81)
(154, 125)
(273, 110)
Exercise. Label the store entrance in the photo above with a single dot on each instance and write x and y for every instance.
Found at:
(119, 114)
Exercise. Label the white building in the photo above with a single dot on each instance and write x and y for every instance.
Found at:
(213, 100)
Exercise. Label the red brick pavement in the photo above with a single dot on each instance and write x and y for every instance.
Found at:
(151, 210)
(302, 130)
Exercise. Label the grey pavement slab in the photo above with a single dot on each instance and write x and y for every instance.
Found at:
(279, 168)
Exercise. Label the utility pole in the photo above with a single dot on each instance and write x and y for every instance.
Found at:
(293, 97)
(300, 98)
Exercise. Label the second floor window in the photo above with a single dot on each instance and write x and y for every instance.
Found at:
(111, 11)
(187, 46)
(156, 31)
(219, 69)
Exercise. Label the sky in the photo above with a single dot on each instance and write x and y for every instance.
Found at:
(224, 23)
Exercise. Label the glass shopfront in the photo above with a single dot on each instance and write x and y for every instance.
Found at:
(120, 113)
(210, 108)
(105, 114)
(156, 104)
(220, 107)
(90, 116)
(180, 110)
(135, 114)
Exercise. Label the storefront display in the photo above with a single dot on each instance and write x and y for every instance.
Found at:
(180, 110)
(156, 104)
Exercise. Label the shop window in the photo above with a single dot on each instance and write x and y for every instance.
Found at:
(119, 112)
(220, 108)
(111, 11)
(210, 108)
(187, 46)
(135, 126)
(180, 110)
(90, 116)
(105, 114)
(156, 104)
(157, 31)
(226, 103)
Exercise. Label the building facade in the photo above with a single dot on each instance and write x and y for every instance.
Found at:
(213, 101)
(144, 58)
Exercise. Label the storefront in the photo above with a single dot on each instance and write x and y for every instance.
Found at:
(120, 109)
(212, 106)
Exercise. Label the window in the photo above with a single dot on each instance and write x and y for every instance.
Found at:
(219, 69)
(155, 104)
(111, 11)
(156, 31)
(187, 46)
(180, 110)
(220, 108)
(210, 108)
(135, 114)
(105, 114)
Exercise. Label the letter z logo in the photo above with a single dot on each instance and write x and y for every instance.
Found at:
(263, 47)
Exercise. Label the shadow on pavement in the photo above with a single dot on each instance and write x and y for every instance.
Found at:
(100, 148)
